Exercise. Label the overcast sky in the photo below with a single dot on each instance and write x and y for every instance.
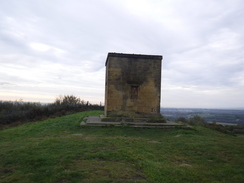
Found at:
(59, 47)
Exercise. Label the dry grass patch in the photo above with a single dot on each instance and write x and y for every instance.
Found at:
(109, 171)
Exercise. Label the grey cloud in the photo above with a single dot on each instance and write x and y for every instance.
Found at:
(5, 83)
(201, 41)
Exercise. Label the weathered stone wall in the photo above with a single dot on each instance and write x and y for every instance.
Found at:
(133, 85)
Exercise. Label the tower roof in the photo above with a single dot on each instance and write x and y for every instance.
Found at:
(127, 55)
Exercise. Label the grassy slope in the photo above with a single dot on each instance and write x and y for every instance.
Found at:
(59, 150)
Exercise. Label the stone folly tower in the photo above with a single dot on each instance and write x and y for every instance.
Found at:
(133, 85)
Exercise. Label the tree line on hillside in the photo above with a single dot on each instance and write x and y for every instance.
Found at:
(198, 120)
(14, 112)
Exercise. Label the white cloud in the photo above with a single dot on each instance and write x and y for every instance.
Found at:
(48, 48)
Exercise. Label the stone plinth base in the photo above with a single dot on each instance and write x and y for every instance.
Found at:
(98, 121)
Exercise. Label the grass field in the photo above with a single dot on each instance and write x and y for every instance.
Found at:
(59, 150)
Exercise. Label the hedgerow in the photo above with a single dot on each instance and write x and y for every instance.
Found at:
(227, 129)
(13, 112)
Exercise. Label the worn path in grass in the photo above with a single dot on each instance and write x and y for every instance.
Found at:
(60, 150)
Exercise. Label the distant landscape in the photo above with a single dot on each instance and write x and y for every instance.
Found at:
(18, 112)
(232, 116)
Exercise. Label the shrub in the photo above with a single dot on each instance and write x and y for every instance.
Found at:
(19, 111)
(182, 119)
(197, 120)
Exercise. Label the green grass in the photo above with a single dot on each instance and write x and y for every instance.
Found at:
(60, 150)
